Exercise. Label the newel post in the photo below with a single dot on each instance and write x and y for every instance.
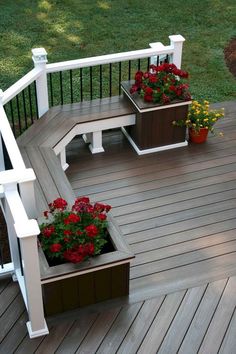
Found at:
(176, 41)
(40, 59)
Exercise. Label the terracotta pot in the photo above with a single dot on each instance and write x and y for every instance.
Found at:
(198, 137)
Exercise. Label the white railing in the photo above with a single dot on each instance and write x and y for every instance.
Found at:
(19, 209)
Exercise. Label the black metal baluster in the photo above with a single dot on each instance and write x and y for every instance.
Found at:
(51, 88)
(36, 101)
(148, 63)
(139, 64)
(129, 70)
(30, 105)
(71, 88)
(119, 77)
(20, 256)
(12, 118)
(91, 81)
(81, 84)
(1, 258)
(110, 79)
(167, 58)
(61, 88)
(100, 78)
(18, 113)
(24, 107)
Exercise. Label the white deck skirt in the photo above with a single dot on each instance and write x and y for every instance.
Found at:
(156, 149)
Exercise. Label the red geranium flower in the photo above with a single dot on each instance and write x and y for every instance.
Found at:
(73, 256)
(101, 216)
(72, 218)
(47, 231)
(45, 213)
(91, 230)
(67, 232)
(55, 247)
(65, 236)
(59, 203)
(159, 84)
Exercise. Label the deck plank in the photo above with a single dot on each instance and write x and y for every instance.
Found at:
(182, 320)
(76, 334)
(11, 315)
(158, 329)
(98, 331)
(139, 328)
(125, 336)
(177, 212)
(119, 328)
(219, 324)
(229, 344)
(202, 318)
(8, 294)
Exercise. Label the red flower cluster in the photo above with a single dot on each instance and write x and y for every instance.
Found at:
(76, 234)
(161, 84)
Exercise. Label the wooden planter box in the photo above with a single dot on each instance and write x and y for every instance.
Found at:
(154, 130)
(69, 286)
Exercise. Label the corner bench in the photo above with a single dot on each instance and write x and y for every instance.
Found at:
(49, 136)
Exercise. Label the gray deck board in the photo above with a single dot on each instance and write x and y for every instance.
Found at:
(219, 324)
(177, 211)
(202, 318)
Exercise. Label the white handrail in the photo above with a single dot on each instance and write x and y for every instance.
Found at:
(109, 58)
(10, 142)
(18, 86)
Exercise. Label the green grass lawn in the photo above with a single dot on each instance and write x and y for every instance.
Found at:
(73, 29)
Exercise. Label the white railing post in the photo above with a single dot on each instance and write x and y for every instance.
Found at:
(27, 193)
(2, 161)
(30, 282)
(176, 41)
(40, 59)
(37, 325)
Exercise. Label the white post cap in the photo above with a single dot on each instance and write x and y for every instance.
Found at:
(177, 38)
(39, 55)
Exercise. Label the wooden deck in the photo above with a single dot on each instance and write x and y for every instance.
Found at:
(177, 211)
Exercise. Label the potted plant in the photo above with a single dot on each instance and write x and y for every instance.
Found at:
(159, 96)
(200, 121)
(162, 84)
(83, 257)
(74, 235)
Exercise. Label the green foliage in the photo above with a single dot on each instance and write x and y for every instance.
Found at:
(75, 29)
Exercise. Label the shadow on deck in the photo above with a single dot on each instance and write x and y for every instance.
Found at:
(176, 210)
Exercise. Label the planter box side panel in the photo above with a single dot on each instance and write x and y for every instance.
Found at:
(155, 128)
(86, 289)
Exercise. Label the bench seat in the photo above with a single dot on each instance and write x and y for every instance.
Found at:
(49, 135)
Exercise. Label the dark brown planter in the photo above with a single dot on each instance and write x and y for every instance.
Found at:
(69, 286)
(154, 127)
